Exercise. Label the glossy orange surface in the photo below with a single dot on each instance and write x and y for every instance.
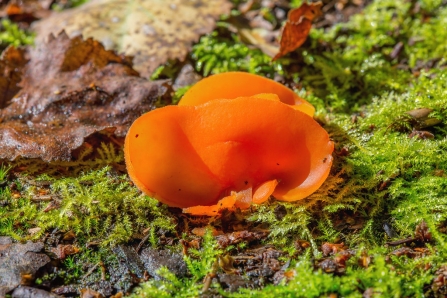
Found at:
(231, 85)
(207, 155)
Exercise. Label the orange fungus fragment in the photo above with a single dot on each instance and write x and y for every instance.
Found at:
(229, 149)
(231, 85)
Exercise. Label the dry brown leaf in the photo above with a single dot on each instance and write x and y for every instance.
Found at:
(297, 27)
(71, 89)
(237, 237)
(152, 31)
(262, 39)
(89, 293)
(25, 11)
(12, 61)
(18, 261)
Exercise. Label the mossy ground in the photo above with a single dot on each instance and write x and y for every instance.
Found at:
(383, 182)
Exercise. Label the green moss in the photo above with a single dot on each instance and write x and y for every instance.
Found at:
(10, 34)
(4, 172)
(351, 63)
(97, 206)
(169, 286)
(385, 175)
(408, 171)
(381, 279)
(67, 4)
(199, 263)
(214, 54)
(179, 94)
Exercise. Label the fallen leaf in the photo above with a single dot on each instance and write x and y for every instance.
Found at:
(62, 251)
(89, 293)
(406, 251)
(422, 232)
(297, 27)
(12, 61)
(260, 38)
(254, 29)
(25, 11)
(71, 89)
(19, 260)
(332, 248)
(151, 31)
(237, 237)
(439, 284)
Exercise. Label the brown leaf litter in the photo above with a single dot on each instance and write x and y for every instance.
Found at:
(12, 61)
(297, 28)
(151, 31)
(25, 11)
(70, 89)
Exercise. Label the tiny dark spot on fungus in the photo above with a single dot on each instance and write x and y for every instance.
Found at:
(277, 164)
(179, 189)
(324, 160)
(136, 135)
(246, 182)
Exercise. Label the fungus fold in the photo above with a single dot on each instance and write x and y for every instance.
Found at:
(234, 139)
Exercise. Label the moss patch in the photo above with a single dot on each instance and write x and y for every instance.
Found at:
(97, 206)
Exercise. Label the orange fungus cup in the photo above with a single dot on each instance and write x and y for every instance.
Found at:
(233, 140)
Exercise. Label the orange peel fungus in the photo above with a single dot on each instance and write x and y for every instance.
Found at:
(233, 140)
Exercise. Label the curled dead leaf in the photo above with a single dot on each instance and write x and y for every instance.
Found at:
(71, 88)
(12, 61)
(62, 251)
(297, 27)
(25, 11)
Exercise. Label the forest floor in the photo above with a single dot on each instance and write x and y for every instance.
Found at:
(375, 72)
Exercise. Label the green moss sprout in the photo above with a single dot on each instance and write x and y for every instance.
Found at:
(380, 279)
(10, 34)
(199, 263)
(4, 172)
(213, 54)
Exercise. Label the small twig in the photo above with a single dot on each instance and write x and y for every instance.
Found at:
(103, 270)
(142, 243)
(402, 241)
(91, 270)
(92, 243)
(43, 198)
(209, 277)
(207, 282)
